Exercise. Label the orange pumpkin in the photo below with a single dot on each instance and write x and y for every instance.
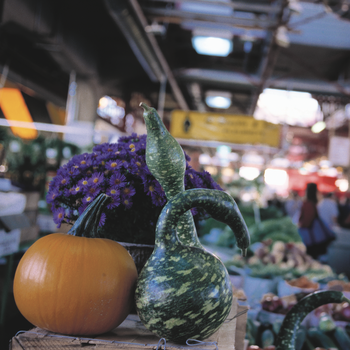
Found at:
(75, 285)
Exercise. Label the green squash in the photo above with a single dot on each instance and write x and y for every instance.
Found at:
(286, 336)
(185, 292)
(167, 163)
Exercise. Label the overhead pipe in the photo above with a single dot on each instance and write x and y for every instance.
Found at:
(144, 45)
(246, 81)
(270, 53)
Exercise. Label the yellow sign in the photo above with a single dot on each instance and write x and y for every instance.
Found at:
(224, 128)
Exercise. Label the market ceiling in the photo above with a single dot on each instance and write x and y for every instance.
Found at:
(125, 46)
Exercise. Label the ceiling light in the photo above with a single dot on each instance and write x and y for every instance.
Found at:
(213, 46)
(318, 127)
(218, 99)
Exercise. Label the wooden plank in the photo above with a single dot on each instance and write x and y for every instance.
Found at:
(241, 327)
(130, 335)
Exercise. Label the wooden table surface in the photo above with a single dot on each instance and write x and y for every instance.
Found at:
(132, 335)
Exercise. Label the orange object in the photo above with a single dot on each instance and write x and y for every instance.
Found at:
(75, 285)
(15, 110)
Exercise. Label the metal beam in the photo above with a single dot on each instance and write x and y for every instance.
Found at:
(236, 5)
(270, 52)
(234, 80)
(144, 45)
(168, 72)
(178, 16)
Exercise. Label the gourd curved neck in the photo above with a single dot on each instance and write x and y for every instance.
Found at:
(217, 203)
(87, 223)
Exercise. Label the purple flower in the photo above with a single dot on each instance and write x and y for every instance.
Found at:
(96, 179)
(58, 216)
(128, 192)
(119, 170)
(88, 199)
(113, 164)
(113, 191)
(117, 179)
(102, 219)
(114, 202)
(127, 202)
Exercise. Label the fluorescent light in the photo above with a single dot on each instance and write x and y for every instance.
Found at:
(218, 102)
(218, 99)
(213, 46)
(318, 127)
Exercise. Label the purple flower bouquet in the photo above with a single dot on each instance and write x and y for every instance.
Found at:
(119, 170)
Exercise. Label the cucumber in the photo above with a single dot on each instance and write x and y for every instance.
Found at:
(341, 337)
(267, 338)
(300, 338)
(291, 323)
(166, 161)
(320, 339)
(185, 292)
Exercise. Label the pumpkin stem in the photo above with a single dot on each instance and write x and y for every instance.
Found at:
(87, 223)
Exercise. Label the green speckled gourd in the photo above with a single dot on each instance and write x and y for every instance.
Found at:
(185, 292)
(287, 334)
(167, 163)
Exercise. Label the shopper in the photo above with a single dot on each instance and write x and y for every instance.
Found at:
(328, 210)
(292, 206)
(315, 234)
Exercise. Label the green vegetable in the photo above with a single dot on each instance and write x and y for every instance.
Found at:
(342, 338)
(167, 163)
(185, 292)
(286, 336)
(277, 229)
(326, 323)
(320, 339)
(300, 337)
(267, 338)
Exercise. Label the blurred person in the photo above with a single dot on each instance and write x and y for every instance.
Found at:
(315, 234)
(328, 210)
(276, 202)
(344, 212)
(194, 154)
(292, 206)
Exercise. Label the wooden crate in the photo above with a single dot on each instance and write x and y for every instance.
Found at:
(132, 335)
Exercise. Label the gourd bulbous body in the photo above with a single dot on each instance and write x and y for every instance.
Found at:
(191, 303)
(185, 292)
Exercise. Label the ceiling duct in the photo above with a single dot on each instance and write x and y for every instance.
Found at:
(136, 37)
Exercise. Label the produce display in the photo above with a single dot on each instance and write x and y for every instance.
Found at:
(75, 283)
(167, 163)
(287, 335)
(184, 292)
(276, 229)
(81, 284)
(288, 260)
